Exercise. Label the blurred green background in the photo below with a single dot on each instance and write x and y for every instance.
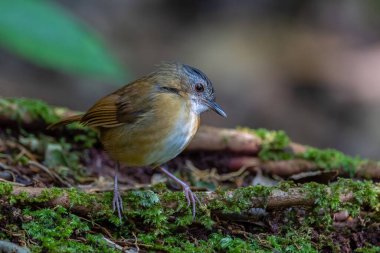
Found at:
(310, 68)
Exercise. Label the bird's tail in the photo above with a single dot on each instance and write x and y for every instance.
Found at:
(66, 121)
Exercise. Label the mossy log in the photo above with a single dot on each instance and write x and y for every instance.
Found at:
(271, 198)
(341, 215)
(344, 205)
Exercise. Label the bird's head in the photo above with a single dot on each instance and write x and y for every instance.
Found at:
(191, 83)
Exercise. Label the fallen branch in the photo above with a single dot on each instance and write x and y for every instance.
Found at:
(221, 139)
(247, 145)
(280, 168)
(61, 200)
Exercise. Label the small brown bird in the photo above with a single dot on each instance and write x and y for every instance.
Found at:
(151, 120)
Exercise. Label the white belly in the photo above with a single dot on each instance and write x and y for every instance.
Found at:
(182, 133)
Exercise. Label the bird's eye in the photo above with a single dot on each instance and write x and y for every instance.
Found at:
(199, 87)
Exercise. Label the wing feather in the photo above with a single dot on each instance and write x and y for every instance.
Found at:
(125, 106)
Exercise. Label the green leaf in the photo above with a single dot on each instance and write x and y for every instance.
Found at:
(49, 36)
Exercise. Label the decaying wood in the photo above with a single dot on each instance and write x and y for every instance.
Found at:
(221, 139)
(247, 145)
(280, 168)
(63, 200)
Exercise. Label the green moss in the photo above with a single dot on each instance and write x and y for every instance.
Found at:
(327, 199)
(5, 188)
(49, 194)
(233, 244)
(286, 185)
(368, 249)
(364, 193)
(81, 198)
(274, 144)
(153, 218)
(274, 139)
(331, 159)
(53, 229)
(215, 243)
(145, 205)
(21, 108)
(324, 201)
(24, 197)
(293, 241)
(240, 199)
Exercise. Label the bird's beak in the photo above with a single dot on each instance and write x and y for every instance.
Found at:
(216, 108)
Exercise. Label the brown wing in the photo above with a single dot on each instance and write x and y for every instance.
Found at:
(125, 105)
(65, 121)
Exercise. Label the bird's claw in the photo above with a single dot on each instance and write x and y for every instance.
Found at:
(191, 198)
(189, 195)
(117, 203)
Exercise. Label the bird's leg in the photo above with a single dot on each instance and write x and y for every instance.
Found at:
(190, 196)
(117, 203)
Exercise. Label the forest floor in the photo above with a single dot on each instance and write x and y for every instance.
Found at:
(258, 192)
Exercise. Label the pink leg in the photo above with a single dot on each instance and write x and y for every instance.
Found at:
(190, 196)
(117, 203)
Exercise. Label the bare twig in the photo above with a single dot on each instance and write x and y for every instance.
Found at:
(112, 244)
(51, 173)
(10, 182)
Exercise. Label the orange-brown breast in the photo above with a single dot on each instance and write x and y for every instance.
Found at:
(157, 137)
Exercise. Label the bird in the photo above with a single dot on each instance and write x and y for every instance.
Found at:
(151, 120)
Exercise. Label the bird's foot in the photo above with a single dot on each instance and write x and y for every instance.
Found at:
(117, 202)
(191, 198)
